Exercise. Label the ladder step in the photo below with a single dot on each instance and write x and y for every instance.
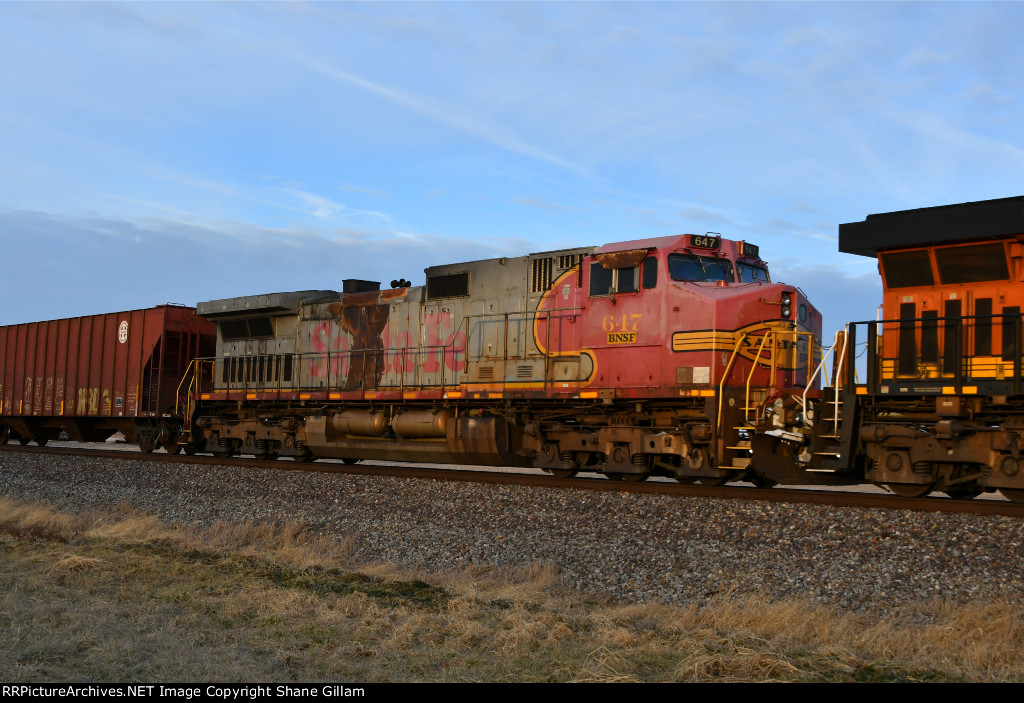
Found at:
(835, 454)
(821, 471)
(744, 427)
(743, 447)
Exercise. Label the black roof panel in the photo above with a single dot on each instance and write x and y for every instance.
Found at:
(944, 224)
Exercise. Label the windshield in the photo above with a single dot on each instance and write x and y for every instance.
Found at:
(690, 267)
(752, 274)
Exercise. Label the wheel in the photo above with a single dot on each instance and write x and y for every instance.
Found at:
(563, 473)
(713, 480)
(963, 492)
(351, 461)
(629, 478)
(224, 453)
(5, 433)
(172, 447)
(911, 490)
(1014, 494)
(23, 441)
(306, 458)
(146, 444)
(41, 441)
(760, 481)
(685, 479)
(190, 449)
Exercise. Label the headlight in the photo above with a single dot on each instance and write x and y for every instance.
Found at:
(787, 304)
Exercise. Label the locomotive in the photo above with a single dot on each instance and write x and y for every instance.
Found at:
(675, 356)
(632, 359)
(639, 358)
(940, 407)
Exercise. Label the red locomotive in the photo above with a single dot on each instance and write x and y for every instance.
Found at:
(638, 358)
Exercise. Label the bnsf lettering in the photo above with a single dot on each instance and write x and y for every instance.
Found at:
(621, 337)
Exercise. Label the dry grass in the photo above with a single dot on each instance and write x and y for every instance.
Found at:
(118, 596)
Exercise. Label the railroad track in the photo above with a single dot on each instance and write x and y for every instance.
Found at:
(832, 497)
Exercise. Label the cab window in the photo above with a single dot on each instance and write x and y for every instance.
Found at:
(650, 267)
(603, 281)
(692, 267)
(750, 273)
(972, 264)
(907, 269)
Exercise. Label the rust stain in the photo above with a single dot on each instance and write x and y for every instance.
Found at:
(364, 318)
(621, 259)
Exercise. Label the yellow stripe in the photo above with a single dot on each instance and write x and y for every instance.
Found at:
(588, 394)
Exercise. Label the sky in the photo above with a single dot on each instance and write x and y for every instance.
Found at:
(183, 152)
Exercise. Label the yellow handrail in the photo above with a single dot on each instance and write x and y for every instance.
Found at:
(725, 375)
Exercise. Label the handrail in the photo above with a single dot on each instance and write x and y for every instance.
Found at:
(769, 334)
(839, 373)
(725, 375)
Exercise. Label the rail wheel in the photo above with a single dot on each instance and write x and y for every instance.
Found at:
(172, 447)
(350, 461)
(190, 449)
(306, 458)
(629, 478)
(761, 481)
(563, 473)
(911, 490)
(146, 444)
(963, 492)
(5, 433)
(1014, 494)
(713, 480)
(23, 441)
(41, 441)
(223, 453)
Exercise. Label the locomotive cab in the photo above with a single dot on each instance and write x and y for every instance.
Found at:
(943, 394)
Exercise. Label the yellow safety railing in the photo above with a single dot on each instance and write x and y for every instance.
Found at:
(184, 403)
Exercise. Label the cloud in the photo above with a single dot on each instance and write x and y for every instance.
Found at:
(539, 202)
(95, 264)
(461, 119)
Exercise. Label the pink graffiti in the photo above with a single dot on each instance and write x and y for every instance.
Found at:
(437, 323)
(401, 351)
(321, 342)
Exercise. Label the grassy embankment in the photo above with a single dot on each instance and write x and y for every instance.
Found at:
(100, 597)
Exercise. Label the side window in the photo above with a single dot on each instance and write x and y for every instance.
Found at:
(601, 280)
(627, 280)
(650, 267)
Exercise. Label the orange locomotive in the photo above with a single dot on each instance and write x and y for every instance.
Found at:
(938, 405)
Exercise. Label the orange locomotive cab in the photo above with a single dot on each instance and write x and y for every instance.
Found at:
(953, 295)
(942, 402)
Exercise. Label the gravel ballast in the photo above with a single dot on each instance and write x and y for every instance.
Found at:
(633, 547)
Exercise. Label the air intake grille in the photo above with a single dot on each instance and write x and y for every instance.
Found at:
(540, 275)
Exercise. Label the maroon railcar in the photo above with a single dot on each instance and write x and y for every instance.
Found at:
(96, 375)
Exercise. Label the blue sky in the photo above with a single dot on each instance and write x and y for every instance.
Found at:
(179, 152)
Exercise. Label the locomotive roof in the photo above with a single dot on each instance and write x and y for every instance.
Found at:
(266, 303)
(654, 243)
(982, 219)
